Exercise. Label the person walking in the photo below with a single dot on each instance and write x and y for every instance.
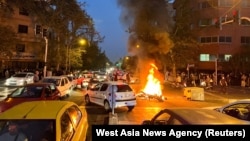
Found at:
(223, 84)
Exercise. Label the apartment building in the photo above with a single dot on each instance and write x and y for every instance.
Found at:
(28, 51)
(223, 29)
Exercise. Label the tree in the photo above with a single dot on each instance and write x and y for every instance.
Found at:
(186, 48)
(66, 22)
(94, 58)
(7, 40)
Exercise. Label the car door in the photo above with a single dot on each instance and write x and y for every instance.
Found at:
(92, 92)
(102, 94)
(63, 87)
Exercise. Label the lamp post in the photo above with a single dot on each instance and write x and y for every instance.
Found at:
(45, 57)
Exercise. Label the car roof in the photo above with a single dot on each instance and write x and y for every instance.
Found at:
(36, 110)
(204, 116)
(39, 84)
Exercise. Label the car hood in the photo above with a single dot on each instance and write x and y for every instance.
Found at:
(10, 102)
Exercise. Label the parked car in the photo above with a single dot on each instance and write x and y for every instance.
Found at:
(62, 83)
(235, 108)
(106, 93)
(20, 79)
(30, 92)
(37, 120)
(72, 80)
(192, 116)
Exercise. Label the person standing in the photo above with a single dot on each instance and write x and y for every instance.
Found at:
(36, 76)
(223, 84)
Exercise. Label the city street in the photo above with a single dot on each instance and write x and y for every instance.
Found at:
(147, 108)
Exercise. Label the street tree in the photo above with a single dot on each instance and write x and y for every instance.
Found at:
(186, 47)
(66, 22)
(7, 40)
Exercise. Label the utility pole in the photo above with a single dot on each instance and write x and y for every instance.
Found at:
(45, 57)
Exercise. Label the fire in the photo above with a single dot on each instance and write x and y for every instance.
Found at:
(153, 85)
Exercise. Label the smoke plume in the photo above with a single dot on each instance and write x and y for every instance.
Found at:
(147, 22)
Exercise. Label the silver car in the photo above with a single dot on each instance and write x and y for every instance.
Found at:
(20, 79)
(192, 116)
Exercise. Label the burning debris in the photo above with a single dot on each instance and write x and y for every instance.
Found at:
(152, 89)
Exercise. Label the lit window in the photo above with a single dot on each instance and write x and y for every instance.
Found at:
(204, 57)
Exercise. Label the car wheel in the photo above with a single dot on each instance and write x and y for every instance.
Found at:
(107, 106)
(130, 108)
(87, 100)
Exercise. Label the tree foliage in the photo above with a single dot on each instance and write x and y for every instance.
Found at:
(66, 22)
(186, 48)
(7, 40)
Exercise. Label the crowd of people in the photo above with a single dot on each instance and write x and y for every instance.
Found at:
(208, 81)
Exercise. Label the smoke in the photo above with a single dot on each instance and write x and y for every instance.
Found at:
(147, 22)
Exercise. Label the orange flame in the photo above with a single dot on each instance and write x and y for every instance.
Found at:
(153, 85)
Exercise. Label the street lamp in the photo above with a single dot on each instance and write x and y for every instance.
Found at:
(45, 57)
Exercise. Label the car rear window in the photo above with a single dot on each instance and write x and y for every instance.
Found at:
(123, 88)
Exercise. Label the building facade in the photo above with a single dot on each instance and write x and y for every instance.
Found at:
(28, 51)
(223, 29)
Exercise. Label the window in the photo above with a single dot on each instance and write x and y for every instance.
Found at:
(23, 11)
(20, 48)
(67, 129)
(226, 3)
(22, 29)
(245, 40)
(225, 39)
(104, 87)
(75, 115)
(205, 22)
(204, 57)
(213, 39)
(162, 119)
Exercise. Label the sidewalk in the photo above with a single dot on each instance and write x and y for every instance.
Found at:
(233, 92)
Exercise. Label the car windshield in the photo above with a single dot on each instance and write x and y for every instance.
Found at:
(32, 130)
(27, 92)
(51, 80)
(19, 75)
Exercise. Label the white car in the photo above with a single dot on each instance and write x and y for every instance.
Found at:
(61, 82)
(111, 93)
(20, 79)
(72, 80)
(234, 108)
